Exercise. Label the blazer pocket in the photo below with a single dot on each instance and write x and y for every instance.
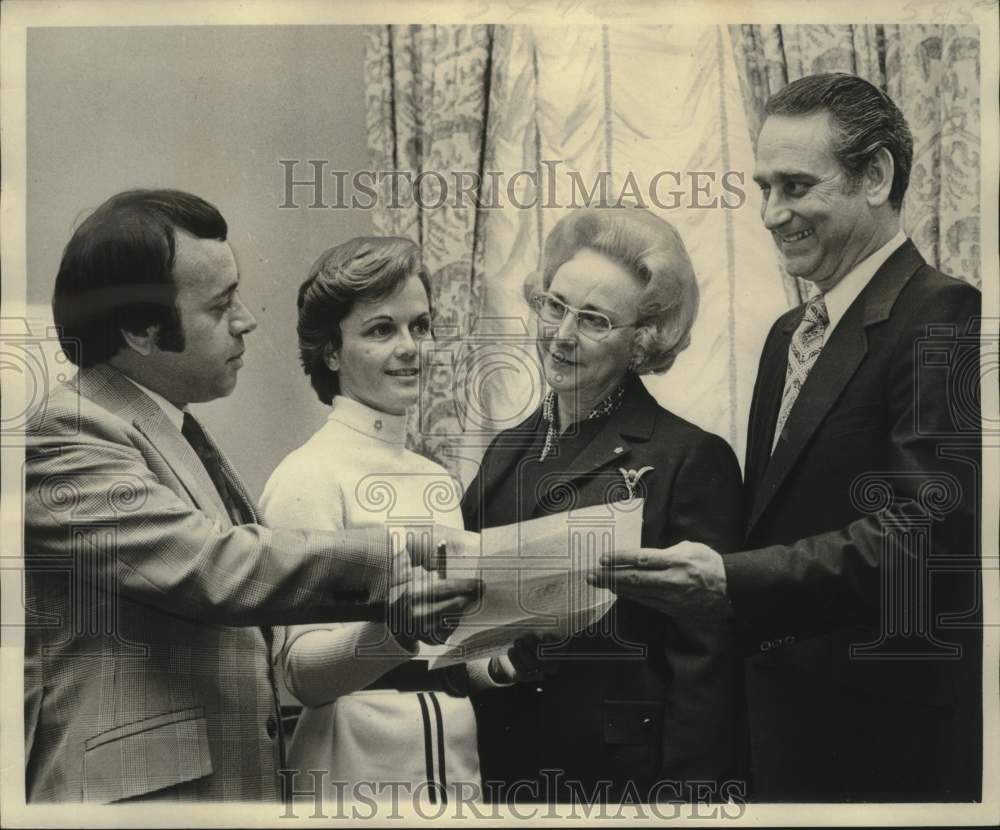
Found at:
(146, 755)
(632, 730)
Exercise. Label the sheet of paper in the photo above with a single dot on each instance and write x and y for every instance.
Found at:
(535, 578)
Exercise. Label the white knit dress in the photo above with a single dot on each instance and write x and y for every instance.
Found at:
(355, 470)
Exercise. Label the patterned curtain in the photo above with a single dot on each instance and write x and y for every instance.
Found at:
(651, 108)
(932, 73)
(645, 108)
(428, 114)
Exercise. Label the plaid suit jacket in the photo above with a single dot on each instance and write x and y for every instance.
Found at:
(146, 671)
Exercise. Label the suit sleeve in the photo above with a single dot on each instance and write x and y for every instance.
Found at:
(825, 581)
(472, 498)
(706, 504)
(470, 505)
(702, 737)
(94, 508)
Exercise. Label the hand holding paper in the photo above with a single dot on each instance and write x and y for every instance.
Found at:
(424, 606)
(685, 581)
(534, 578)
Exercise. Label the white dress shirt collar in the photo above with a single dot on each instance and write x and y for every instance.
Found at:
(173, 413)
(845, 292)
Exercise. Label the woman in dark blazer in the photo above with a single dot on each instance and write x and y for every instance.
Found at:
(633, 707)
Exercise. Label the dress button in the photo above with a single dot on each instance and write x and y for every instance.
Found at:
(765, 646)
(272, 727)
(790, 640)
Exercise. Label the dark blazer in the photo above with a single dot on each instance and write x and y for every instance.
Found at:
(880, 452)
(665, 703)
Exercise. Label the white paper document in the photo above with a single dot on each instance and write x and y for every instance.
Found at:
(535, 578)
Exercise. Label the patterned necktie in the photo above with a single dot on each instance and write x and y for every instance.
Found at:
(209, 456)
(807, 343)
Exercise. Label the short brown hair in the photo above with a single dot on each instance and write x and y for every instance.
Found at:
(363, 268)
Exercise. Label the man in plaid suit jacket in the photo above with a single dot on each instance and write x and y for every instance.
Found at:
(150, 580)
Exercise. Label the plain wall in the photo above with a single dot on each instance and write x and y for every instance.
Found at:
(210, 110)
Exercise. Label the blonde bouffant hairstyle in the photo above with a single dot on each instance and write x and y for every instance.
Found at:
(652, 250)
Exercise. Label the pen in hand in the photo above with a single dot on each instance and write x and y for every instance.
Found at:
(442, 560)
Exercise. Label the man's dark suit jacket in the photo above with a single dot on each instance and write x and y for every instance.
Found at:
(635, 720)
(880, 450)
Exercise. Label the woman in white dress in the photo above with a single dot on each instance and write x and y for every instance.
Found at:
(373, 715)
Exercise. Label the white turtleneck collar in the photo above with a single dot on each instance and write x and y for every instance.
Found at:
(390, 429)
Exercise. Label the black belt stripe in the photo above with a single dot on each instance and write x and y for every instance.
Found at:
(441, 763)
(428, 751)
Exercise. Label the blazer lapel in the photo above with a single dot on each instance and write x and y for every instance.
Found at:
(834, 369)
(510, 448)
(112, 390)
(178, 454)
(612, 445)
(767, 401)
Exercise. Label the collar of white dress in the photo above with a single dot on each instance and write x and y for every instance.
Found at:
(391, 429)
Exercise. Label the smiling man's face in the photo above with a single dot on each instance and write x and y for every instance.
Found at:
(819, 217)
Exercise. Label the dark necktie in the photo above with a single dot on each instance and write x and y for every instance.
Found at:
(209, 456)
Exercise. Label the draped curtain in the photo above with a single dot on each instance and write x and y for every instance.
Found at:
(655, 108)
(517, 111)
(537, 105)
(427, 105)
(932, 73)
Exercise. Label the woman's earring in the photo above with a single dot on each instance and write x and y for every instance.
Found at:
(331, 357)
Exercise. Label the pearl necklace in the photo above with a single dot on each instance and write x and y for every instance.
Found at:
(605, 407)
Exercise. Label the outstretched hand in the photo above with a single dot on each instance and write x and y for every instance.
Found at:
(685, 581)
(426, 607)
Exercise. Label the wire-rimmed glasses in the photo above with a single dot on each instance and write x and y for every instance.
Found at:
(593, 324)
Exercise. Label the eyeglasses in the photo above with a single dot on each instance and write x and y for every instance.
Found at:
(592, 324)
